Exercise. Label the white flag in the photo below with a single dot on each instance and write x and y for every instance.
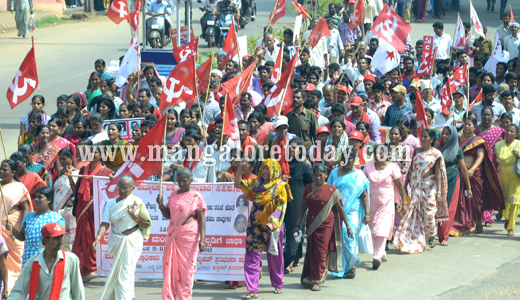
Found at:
(459, 40)
(497, 56)
(386, 58)
(130, 64)
(242, 45)
(476, 22)
(297, 27)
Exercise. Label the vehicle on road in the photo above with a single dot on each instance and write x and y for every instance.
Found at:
(156, 31)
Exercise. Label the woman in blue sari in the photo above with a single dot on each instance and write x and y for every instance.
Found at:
(352, 185)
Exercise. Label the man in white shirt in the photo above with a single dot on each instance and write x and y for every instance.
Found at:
(358, 73)
(446, 117)
(507, 100)
(271, 51)
(503, 30)
(334, 42)
(512, 42)
(442, 41)
(428, 100)
(488, 100)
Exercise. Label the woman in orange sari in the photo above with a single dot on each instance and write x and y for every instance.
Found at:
(18, 205)
(31, 180)
(186, 236)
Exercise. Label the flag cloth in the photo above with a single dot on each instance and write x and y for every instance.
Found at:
(459, 40)
(142, 165)
(459, 77)
(445, 95)
(230, 46)
(358, 17)
(281, 93)
(496, 57)
(25, 81)
(239, 84)
(392, 28)
(477, 100)
(230, 124)
(321, 30)
(118, 11)
(277, 69)
(134, 20)
(300, 9)
(386, 58)
(181, 85)
(182, 53)
(278, 11)
(203, 75)
(511, 14)
(422, 121)
(475, 20)
(130, 63)
(426, 67)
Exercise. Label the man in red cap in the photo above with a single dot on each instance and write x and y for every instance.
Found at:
(53, 274)
(357, 114)
(308, 88)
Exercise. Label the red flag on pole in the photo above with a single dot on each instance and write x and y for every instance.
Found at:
(239, 84)
(459, 40)
(184, 52)
(427, 64)
(511, 13)
(392, 28)
(358, 17)
(118, 11)
(141, 165)
(25, 81)
(445, 95)
(281, 93)
(278, 11)
(321, 30)
(180, 85)
(230, 124)
(459, 77)
(230, 47)
(422, 121)
(277, 69)
(203, 74)
(300, 9)
(477, 100)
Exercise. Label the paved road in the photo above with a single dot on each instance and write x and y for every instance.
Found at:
(484, 266)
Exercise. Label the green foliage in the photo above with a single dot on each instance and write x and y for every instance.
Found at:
(323, 6)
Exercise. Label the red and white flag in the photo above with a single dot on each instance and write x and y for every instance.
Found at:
(459, 40)
(496, 57)
(25, 81)
(203, 75)
(277, 70)
(300, 9)
(475, 20)
(118, 11)
(134, 20)
(230, 124)
(182, 53)
(392, 28)
(181, 85)
(511, 14)
(477, 100)
(358, 17)
(131, 63)
(230, 46)
(426, 67)
(142, 165)
(278, 11)
(281, 93)
(459, 77)
(321, 30)
(239, 84)
(386, 58)
(445, 95)
(422, 121)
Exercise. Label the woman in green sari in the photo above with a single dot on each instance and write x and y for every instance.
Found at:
(116, 155)
(94, 89)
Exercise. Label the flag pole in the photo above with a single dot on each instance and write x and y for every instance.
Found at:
(162, 157)
(454, 33)
(238, 52)
(467, 98)
(283, 97)
(343, 75)
(222, 134)
(204, 110)
(3, 144)
(271, 15)
(5, 211)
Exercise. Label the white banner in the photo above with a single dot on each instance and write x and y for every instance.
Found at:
(226, 222)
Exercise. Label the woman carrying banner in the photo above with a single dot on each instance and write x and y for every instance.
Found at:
(131, 224)
(269, 194)
(114, 145)
(186, 211)
(85, 215)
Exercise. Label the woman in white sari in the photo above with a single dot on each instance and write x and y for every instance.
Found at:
(65, 184)
(131, 224)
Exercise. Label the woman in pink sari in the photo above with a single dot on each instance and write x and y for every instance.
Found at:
(186, 235)
(55, 139)
(491, 134)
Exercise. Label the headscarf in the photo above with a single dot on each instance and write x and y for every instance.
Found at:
(340, 147)
(272, 195)
(450, 148)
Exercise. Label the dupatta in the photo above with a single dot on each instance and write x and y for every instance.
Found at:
(122, 221)
(351, 186)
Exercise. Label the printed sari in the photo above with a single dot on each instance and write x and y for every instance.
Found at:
(182, 245)
(42, 172)
(115, 155)
(485, 186)
(63, 191)
(323, 226)
(47, 158)
(350, 186)
(33, 225)
(419, 223)
(126, 249)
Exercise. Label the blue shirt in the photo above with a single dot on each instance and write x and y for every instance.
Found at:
(394, 113)
(161, 7)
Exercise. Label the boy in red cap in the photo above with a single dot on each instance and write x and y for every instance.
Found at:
(53, 274)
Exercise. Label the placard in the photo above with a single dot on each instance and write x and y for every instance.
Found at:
(126, 133)
(184, 35)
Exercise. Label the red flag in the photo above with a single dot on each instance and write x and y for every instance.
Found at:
(118, 11)
(358, 17)
(300, 9)
(445, 95)
(277, 70)
(511, 14)
(476, 21)
(25, 81)
(230, 46)
(182, 53)
(134, 20)
(230, 125)
(281, 93)
(180, 85)
(203, 74)
(392, 28)
(422, 121)
(142, 165)
(427, 64)
(477, 100)
(278, 11)
(321, 30)
(459, 77)
(239, 84)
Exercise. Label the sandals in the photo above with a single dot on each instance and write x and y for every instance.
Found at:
(316, 288)
(479, 227)
(288, 270)
(351, 273)
(376, 263)
(444, 243)
(499, 216)
(277, 291)
(250, 296)
(510, 233)
(488, 224)
(432, 243)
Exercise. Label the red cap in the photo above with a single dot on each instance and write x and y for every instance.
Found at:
(323, 129)
(356, 101)
(352, 1)
(356, 135)
(370, 77)
(345, 89)
(211, 126)
(52, 230)
(310, 87)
